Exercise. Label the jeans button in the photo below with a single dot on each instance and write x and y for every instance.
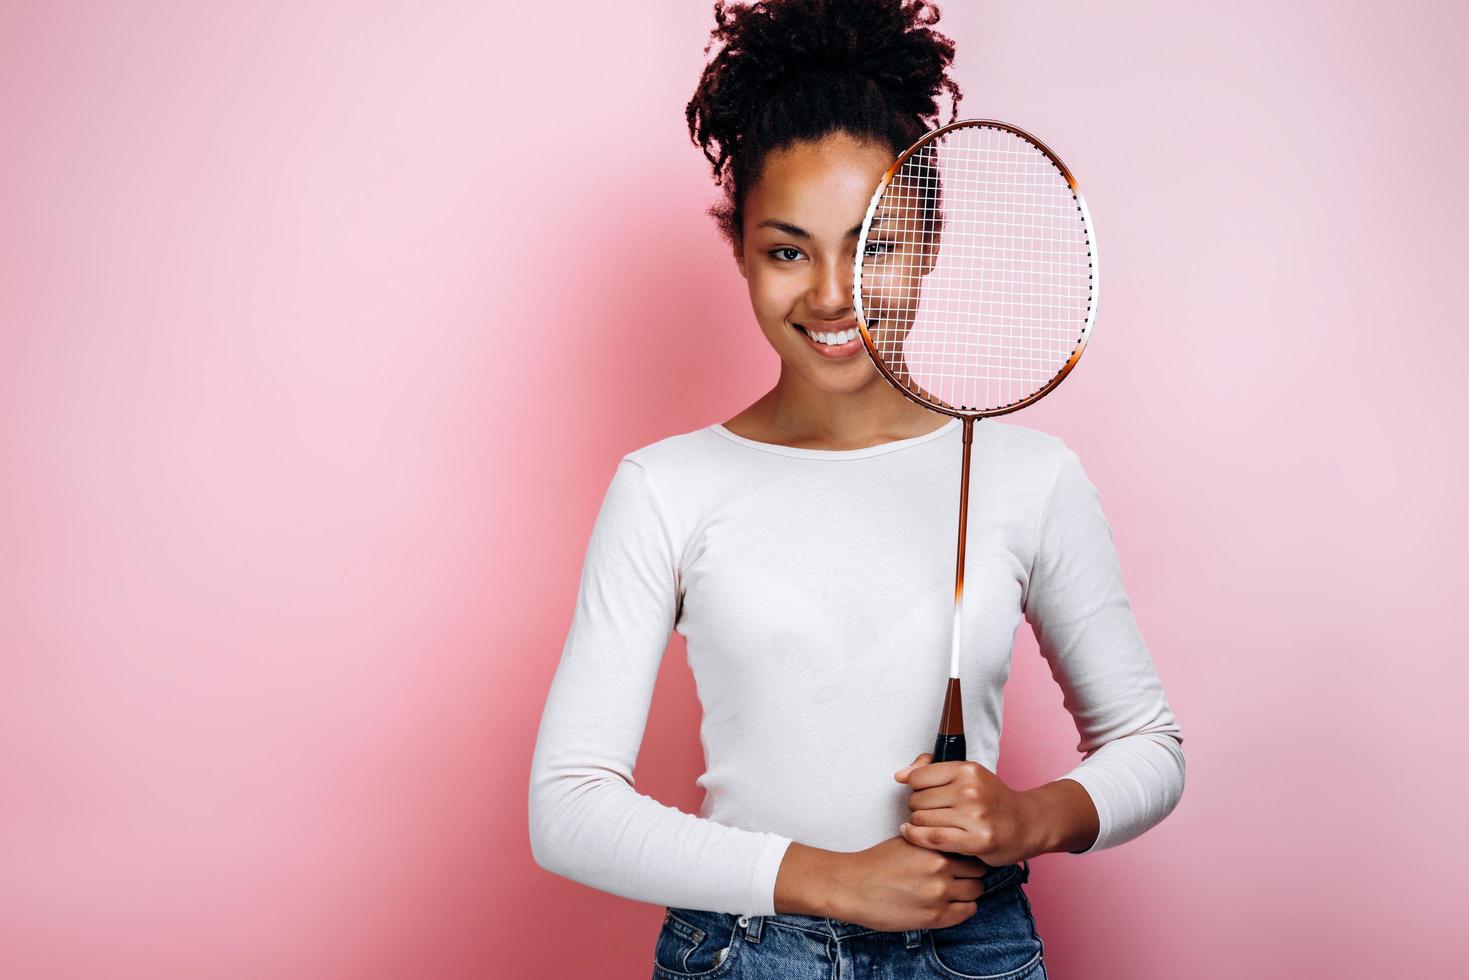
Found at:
(744, 920)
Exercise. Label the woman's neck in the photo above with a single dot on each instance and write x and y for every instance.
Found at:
(795, 415)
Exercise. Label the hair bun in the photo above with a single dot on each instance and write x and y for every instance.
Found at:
(771, 45)
(888, 42)
(794, 69)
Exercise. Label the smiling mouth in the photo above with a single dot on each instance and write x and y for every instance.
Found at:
(830, 338)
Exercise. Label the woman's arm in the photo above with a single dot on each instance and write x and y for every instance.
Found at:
(803, 886)
(1063, 817)
(1133, 770)
(587, 822)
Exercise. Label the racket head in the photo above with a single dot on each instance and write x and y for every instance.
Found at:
(976, 277)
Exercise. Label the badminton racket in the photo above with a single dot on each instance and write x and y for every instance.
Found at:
(975, 289)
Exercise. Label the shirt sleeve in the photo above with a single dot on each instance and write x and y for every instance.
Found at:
(587, 822)
(1133, 765)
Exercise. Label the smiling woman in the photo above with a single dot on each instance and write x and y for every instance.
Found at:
(817, 644)
(799, 113)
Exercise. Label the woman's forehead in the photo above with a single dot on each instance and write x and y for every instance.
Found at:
(818, 185)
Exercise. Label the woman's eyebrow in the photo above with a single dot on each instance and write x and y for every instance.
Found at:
(796, 231)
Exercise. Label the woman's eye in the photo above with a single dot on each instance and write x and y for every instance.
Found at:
(877, 248)
(785, 254)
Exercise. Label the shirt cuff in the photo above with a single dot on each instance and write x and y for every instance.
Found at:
(1089, 780)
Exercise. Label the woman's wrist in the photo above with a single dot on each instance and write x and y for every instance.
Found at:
(1062, 817)
(804, 884)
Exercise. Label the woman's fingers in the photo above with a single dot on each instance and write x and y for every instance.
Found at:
(958, 912)
(966, 890)
(966, 866)
(934, 838)
(944, 816)
(923, 759)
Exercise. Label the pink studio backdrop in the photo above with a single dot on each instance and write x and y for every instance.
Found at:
(322, 327)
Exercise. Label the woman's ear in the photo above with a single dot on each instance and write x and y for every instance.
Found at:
(739, 256)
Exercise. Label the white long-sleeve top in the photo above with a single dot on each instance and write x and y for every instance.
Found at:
(815, 592)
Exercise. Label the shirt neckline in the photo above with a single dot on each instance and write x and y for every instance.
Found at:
(892, 446)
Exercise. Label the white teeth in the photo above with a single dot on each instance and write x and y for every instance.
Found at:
(832, 339)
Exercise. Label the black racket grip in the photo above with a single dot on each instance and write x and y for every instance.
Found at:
(948, 748)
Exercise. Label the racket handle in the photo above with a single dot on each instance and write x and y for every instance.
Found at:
(948, 748)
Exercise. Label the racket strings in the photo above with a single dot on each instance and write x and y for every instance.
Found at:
(977, 281)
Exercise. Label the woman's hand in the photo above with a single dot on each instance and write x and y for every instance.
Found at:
(964, 808)
(894, 885)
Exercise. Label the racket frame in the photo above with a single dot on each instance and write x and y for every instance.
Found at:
(1094, 276)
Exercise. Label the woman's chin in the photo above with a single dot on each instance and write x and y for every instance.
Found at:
(837, 377)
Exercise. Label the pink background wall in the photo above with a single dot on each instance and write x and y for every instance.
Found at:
(323, 324)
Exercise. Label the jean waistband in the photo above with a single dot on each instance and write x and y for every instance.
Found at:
(840, 928)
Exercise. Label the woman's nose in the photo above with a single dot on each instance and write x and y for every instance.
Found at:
(831, 292)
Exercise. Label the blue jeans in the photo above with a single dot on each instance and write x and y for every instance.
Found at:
(998, 942)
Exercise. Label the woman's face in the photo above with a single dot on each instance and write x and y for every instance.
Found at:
(801, 223)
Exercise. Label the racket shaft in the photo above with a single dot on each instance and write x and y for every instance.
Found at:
(949, 746)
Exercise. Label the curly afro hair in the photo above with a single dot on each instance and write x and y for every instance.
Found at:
(793, 70)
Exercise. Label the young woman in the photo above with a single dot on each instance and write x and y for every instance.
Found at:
(816, 607)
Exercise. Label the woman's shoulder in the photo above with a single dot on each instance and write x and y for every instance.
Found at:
(1022, 446)
(680, 475)
(685, 467)
(678, 452)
